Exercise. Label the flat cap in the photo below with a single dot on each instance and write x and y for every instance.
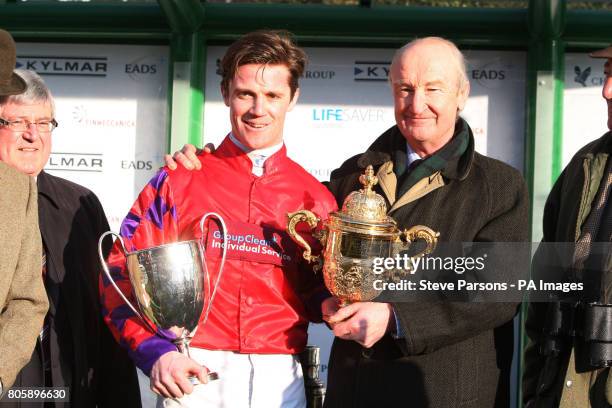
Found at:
(605, 53)
(10, 82)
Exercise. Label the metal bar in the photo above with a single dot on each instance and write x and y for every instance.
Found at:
(225, 21)
(88, 20)
(588, 27)
(184, 16)
(174, 17)
(187, 97)
(192, 12)
(198, 58)
(545, 67)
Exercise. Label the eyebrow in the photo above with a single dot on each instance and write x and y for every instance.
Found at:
(29, 117)
(436, 82)
(28, 120)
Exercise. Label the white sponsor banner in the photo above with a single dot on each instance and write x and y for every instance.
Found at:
(345, 103)
(585, 111)
(111, 108)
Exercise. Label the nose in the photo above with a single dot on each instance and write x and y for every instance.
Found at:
(31, 133)
(417, 101)
(258, 107)
(607, 88)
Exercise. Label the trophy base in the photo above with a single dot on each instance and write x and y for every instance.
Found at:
(212, 376)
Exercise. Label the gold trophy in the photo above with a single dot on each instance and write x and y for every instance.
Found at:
(353, 237)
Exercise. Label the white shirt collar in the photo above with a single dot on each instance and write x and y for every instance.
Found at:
(411, 155)
(257, 156)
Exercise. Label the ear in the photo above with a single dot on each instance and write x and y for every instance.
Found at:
(294, 100)
(225, 96)
(462, 97)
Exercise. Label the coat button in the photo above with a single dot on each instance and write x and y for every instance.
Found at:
(249, 301)
(568, 383)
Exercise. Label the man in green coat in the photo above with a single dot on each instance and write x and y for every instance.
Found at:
(567, 359)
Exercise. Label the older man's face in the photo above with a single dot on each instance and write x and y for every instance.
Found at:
(607, 89)
(427, 95)
(26, 151)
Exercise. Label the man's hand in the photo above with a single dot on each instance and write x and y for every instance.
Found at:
(329, 307)
(188, 157)
(169, 375)
(363, 322)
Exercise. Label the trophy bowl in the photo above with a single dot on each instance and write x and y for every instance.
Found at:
(171, 285)
(354, 237)
(168, 283)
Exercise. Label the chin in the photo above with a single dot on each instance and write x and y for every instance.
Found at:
(255, 145)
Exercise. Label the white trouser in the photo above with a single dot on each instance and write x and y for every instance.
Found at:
(245, 381)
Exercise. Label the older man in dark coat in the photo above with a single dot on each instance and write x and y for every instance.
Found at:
(444, 354)
(75, 348)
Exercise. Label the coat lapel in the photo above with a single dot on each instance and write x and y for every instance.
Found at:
(422, 187)
(387, 180)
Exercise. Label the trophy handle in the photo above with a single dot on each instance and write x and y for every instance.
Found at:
(112, 281)
(224, 233)
(312, 220)
(422, 232)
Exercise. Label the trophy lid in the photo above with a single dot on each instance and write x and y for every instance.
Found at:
(365, 206)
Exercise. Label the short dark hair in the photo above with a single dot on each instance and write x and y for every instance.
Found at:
(263, 47)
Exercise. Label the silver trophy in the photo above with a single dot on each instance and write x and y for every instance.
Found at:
(172, 286)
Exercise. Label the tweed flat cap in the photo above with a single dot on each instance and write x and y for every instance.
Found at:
(605, 53)
(10, 82)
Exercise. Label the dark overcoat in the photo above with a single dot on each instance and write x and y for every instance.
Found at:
(452, 354)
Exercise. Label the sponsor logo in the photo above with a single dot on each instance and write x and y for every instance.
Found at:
(347, 114)
(137, 164)
(254, 244)
(64, 66)
(490, 74)
(143, 67)
(581, 76)
(83, 162)
(319, 74)
(371, 70)
(81, 117)
(320, 173)
(584, 78)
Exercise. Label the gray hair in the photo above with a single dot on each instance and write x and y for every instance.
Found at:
(36, 91)
(458, 56)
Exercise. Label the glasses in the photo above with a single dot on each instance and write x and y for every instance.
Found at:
(20, 125)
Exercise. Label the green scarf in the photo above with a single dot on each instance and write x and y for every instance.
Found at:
(437, 161)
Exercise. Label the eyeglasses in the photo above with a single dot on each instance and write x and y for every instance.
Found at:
(20, 125)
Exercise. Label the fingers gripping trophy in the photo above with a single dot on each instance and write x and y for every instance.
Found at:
(353, 237)
(172, 286)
